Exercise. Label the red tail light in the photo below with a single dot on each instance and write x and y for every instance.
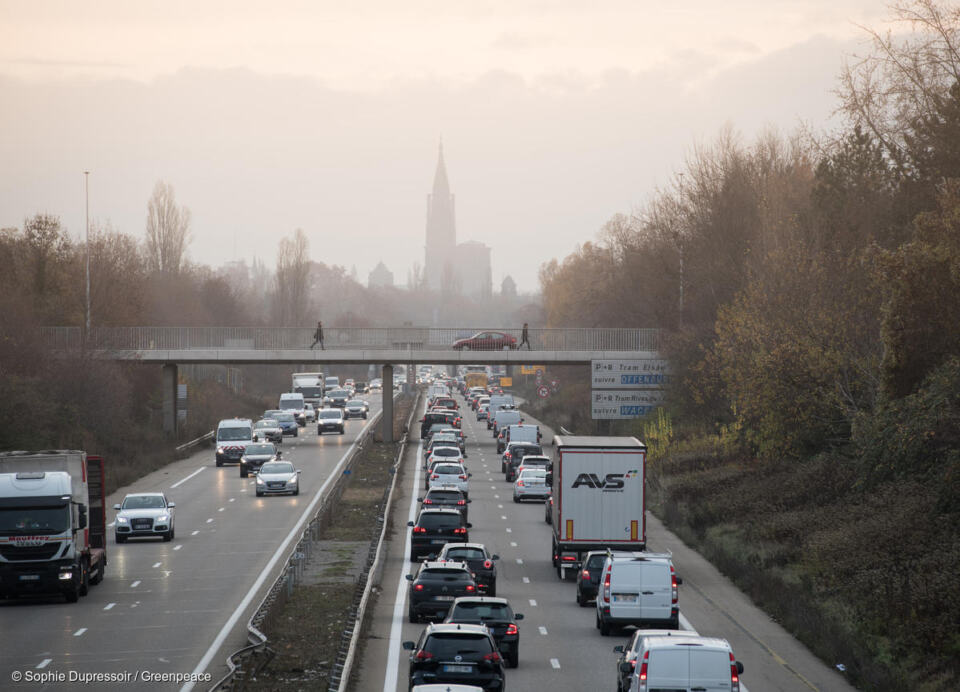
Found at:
(573, 558)
(643, 671)
(418, 587)
(471, 588)
(511, 629)
(585, 574)
(434, 477)
(606, 587)
(428, 502)
(673, 585)
(519, 484)
(419, 529)
(493, 658)
(460, 532)
(734, 676)
(461, 502)
(424, 655)
(462, 476)
(508, 455)
(487, 564)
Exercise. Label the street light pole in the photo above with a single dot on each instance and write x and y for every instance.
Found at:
(86, 186)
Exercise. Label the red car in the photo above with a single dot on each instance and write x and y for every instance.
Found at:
(486, 341)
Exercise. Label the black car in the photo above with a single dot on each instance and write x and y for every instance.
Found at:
(434, 417)
(588, 578)
(445, 497)
(435, 528)
(513, 457)
(464, 654)
(360, 387)
(330, 420)
(255, 455)
(478, 559)
(498, 617)
(548, 507)
(435, 587)
(337, 398)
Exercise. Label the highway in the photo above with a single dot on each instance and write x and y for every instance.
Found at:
(560, 648)
(177, 607)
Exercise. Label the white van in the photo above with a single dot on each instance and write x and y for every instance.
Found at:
(638, 589)
(331, 383)
(233, 436)
(293, 402)
(685, 662)
(503, 418)
(521, 433)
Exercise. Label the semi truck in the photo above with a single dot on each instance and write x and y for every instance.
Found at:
(52, 523)
(599, 498)
(310, 384)
(475, 379)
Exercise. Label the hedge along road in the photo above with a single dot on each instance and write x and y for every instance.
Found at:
(165, 607)
(560, 647)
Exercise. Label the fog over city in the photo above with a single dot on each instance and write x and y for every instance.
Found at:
(553, 116)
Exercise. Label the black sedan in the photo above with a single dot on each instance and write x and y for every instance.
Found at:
(478, 559)
(435, 528)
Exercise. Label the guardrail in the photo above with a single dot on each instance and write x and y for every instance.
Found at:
(343, 338)
(193, 443)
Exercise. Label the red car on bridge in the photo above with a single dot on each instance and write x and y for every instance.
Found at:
(486, 341)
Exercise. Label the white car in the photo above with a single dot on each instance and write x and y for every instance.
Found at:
(308, 412)
(446, 473)
(277, 477)
(530, 484)
(143, 515)
(685, 661)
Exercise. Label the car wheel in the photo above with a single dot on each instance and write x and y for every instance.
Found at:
(412, 615)
(581, 601)
(259, 494)
(167, 536)
(604, 628)
(319, 432)
(492, 589)
(297, 491)
(73, 595)
(219, 463)
(173, 533)
(243, 472)
(675, 623)
(514, 659)
(85, 579)
(342, 431)
(121, 539)
(516, 499)
(364, 416)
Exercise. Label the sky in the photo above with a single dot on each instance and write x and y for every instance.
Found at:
(270, 116)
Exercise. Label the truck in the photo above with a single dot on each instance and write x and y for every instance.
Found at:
(310, 384)
(53, 536)
(599, 498)
(475, 379)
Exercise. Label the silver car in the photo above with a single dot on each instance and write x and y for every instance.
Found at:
(277, 477)
(530, 484)
(356, 408)
(269, 430)
(143, 515)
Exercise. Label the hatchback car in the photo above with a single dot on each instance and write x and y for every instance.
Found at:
(330, 420)
(588, 578)
(445, 497)
(439, 440)
(482, 564)
(355, 408)
(255, 455)
(498, 617)
(456, 654)
(435, 528)
(514, 454)
(269, 430)
(486, 341)
(531, 484)
(286, 420)
(446, 473)
(278, 477)
(435, 586)
(143, 515)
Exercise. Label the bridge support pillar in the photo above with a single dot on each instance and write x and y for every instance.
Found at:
(169, 384)
(387, 420)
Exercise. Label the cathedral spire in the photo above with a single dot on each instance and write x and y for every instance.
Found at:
(441, 186)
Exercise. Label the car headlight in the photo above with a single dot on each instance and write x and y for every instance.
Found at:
(260, 481)
(292, 481)
(219, 450)
(163, 517)
(121, 520)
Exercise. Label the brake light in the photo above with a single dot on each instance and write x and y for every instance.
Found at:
(508, 455)
(642, 677)
(734, 676)
(572, 558)
(493, 657)
(511, 629)
(461, 502)
(434, 477)
(460, 532)
(471, 588)
(418, 587)
(673, 585)
(428, 502)
(487, 564)
(419, 529)
(462, 476)
(606, 587)
(519, 484)
(424, 655)
(585, 574)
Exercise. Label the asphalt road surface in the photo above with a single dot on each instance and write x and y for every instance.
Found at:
(560, 647)
(179, 607)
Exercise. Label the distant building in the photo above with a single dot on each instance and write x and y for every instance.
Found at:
(473, 269)
(380, 277)
(508, 289)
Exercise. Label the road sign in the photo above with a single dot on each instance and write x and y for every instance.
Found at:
(539, 376)
(608, 404)
(531, 369)
(554, 386)
(506, 381)
(649, 373)
(543, 392)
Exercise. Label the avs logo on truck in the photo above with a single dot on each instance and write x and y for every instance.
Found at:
(612, 482)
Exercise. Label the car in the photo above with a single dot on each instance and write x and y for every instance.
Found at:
(478, 559)
(686, 662)
(255, 456)
(337, 398)
(286, 420)
(447, 402)
(482, 411)
(627, 660)
(375, 386)
(548, 508)
(514, 454)
(449, 452)
(498, 617)
(434, 528)
(486, 341)
(439, 417)
(355, 408)
(429, 687)
(360, 387)
(309, 413)
(330, 420)
(534, 461)
(233, 435)
(268, 429)
(531, 484)
(456, 654)
(441, 439)
(638, 588)
(446, 473)
(435, 586)
(445, 497)
(588, 578)
(461, 438)
(144, 515)
(276, 477)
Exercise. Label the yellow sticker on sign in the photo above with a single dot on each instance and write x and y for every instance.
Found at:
(532, 369)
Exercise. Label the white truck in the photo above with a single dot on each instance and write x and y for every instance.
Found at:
(52, 523)
(599, 498)
(310, 384)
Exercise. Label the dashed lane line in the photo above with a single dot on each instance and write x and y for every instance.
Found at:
(533, 603)
(155, 565)
(109, 606)
(44, 663)
(184, 480)
(135, 584)
(177, 547)
(194, 533)
(555, 663)
(543, 630)
(79, 632)
(526, 580)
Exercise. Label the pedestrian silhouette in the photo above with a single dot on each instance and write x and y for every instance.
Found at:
(525, 337)
(318, 336)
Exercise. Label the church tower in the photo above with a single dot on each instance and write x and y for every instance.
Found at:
(439, 267)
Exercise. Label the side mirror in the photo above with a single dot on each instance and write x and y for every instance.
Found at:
(469, 475)
(625, 667)
(679, 580)
(549, 480)
(419, 499)
(618, 649)
(739, 668)
(518, 616)
(409, 646)
(279, 454)
(468, 501)
(256, 438)
(409, 577)
(469, 525)
(82, 517)
(117, 507)
(171, 505)
(494, 557)
(409, 523)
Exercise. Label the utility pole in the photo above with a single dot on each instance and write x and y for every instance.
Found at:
(86, 186)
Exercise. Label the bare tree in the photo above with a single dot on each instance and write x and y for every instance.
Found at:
(293, 273)
(168, 230)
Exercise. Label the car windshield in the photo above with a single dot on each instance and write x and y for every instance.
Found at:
(143, 502)
(356, 402)
(286, 418)
(330, 414)
(277, 467)
(439, 521)
(439, 439)
(233, 434)
(465, 554)
(339, 393)
(266, 423)
(447, 469)
(444, 574)
(478, 612)
(596, 561)
(260, 449)
(444, 646)
(15, 521)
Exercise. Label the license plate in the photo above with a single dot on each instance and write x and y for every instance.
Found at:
(443, 598)
(29, 577)
(438, 540)
(625, 597)
(451, 668)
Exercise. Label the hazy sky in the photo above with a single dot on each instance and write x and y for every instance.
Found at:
(267, 116)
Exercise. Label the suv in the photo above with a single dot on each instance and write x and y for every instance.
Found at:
(685, 661)
(638, 589)
(143, 515)
(447, 473)
(445, 497)
(478, 559)
(330, 420)
(465, 654)
(515, 452)
(255, 455)
(435, 528)
(498, 617)
(435, 587)
(588, 578)
(627, 660)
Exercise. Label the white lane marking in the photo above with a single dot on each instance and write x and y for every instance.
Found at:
(109, 606)
(44, 663)
(555, 663)
(184, 480)
(221, 509)
(177, 547)
(80, 632)
(513, 544)
(243, 490)
(156, 564)
(503, 516)
(493, 487)
(519, 561)
(281, 550)
(543, 630)
(111, 524)
(135, 584)
(533, 603)
(209, 521)
(526, 580)
(232, 499)
(685, 624)
(194, 533)
(499, 506)
(509, 530)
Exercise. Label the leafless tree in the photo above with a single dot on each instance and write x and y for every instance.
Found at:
(292, 279)
(168, 230)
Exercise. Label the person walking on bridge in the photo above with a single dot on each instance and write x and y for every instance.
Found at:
(525, 337)
(318, 336)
